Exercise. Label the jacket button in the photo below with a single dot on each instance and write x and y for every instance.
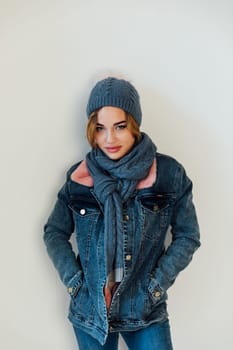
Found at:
(126, 217)
(157, 294)
(82, 211)
(70, 290)
(155, 207)
(128, 257)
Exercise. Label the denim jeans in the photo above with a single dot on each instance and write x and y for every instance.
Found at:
(153, 337)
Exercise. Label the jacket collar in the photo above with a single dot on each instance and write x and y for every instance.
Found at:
(82, 176)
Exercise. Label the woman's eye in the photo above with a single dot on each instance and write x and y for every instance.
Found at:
(121, 126)
(99, 128)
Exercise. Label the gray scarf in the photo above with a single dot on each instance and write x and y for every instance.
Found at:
(114, 182)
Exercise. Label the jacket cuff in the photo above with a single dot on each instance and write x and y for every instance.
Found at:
(74, 284)
(155, 290)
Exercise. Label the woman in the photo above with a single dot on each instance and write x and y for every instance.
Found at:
(120, 202)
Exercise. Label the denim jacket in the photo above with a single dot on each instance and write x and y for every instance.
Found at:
(150, 265)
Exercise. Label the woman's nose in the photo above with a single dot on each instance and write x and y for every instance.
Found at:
(110, 136)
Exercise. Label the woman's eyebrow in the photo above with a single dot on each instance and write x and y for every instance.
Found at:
(121, 122)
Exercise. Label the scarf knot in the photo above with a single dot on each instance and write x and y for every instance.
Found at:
(114, 183)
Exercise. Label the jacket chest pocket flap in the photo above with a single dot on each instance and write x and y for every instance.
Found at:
(84, 208)
(156, 212)
(156, 203)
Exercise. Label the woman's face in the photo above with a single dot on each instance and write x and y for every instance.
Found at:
(112, 135)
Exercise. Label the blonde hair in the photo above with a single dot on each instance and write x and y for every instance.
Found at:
(91, 128)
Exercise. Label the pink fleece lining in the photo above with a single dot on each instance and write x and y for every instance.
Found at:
(82, 176)
(150, 179)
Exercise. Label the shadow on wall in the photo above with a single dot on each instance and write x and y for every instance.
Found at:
(180, 134)
(203, 150)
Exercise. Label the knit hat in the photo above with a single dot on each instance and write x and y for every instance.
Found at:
(116, 93)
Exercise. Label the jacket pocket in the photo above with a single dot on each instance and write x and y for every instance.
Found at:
(156, 293)
(83, 208)
(156, 212)
(75, 284)
(82, 304)
(86, 215)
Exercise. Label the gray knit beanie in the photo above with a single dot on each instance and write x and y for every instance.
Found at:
(116, 93)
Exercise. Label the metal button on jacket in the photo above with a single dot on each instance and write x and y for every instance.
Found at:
(157, 294)
(82, 211)
(128, 257)
(70, 290)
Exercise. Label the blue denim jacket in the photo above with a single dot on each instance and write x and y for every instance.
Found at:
(150, 267)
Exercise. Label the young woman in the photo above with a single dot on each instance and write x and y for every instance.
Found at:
(120, 201)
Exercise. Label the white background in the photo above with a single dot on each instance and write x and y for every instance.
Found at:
(179, 55)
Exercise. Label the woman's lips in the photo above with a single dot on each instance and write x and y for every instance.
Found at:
(113, 149)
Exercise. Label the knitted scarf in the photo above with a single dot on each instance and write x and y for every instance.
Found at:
(114, 182)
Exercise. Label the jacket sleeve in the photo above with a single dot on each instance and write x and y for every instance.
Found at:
(185, 237)
(57, 234)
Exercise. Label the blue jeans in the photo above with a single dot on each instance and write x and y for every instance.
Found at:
(153, 337)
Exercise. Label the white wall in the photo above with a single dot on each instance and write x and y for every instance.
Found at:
(179, 55)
